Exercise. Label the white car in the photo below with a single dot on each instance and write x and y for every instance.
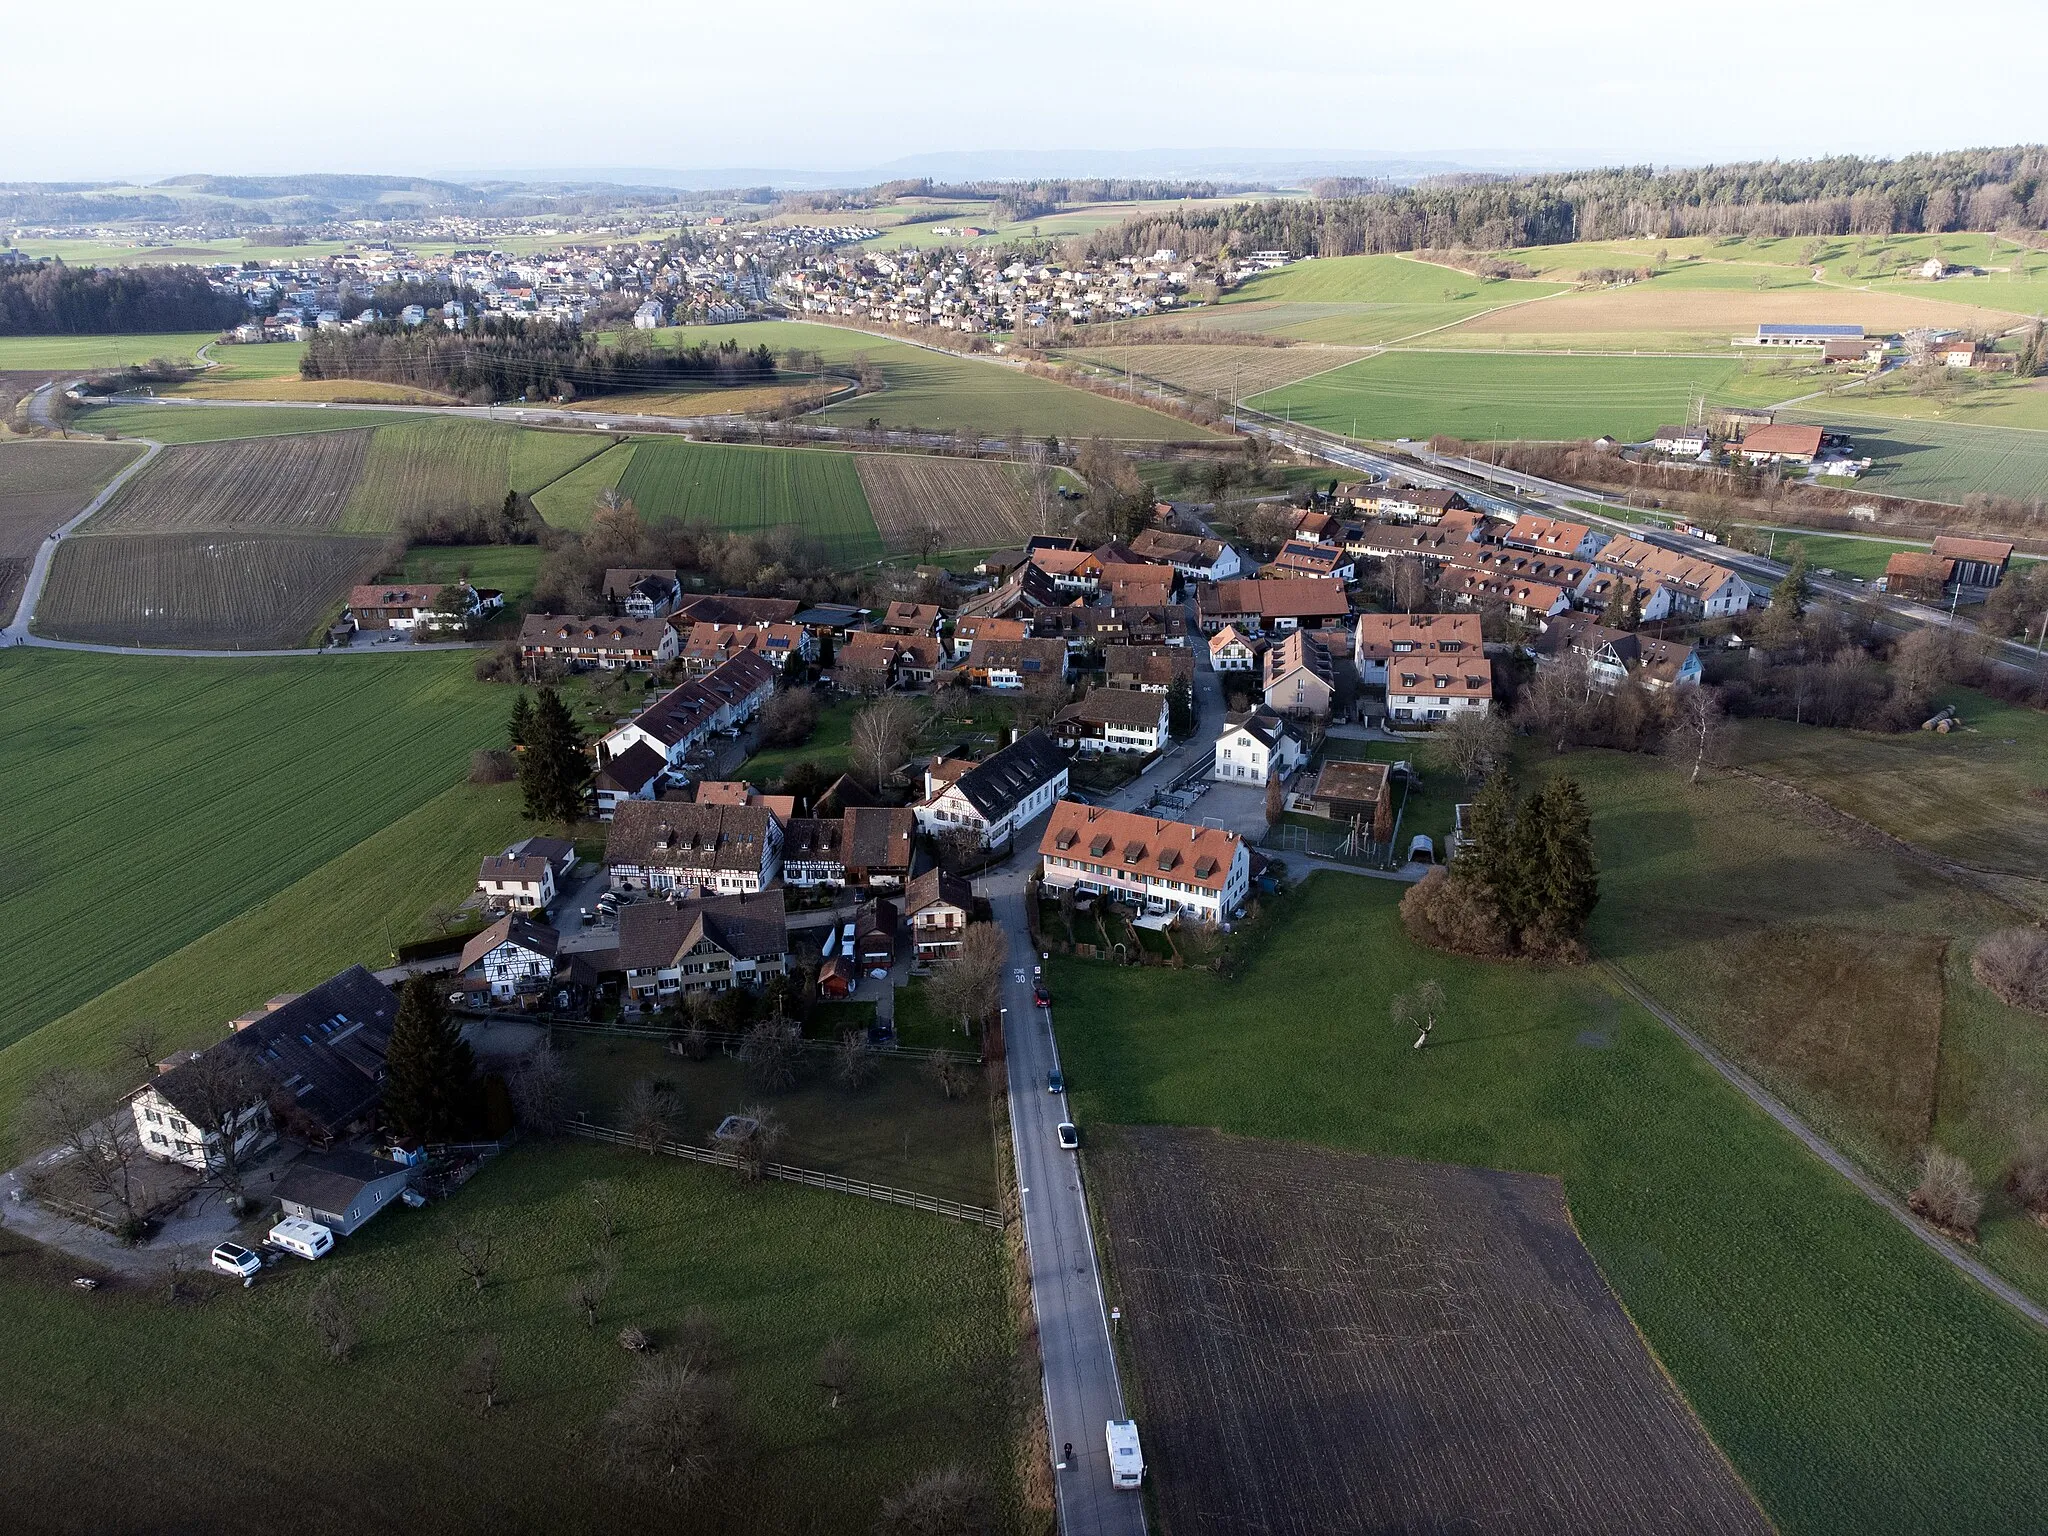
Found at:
(1070, 1135)
(245, 1264)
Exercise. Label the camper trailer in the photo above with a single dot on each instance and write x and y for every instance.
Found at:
(1126, 1460)
(308, 1239)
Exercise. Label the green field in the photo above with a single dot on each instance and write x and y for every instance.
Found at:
(828, 747)
(429, 467)
(778, 1270)
(756, 490)
(1419, 394)
(79, 354)
(1359, 300)
(1997, 401)
(211, 423)
(155, 799)
(1857, 1383)
(942, 391)
(1847, 556)
(355, 907)
(1938, 460)
(567, 502)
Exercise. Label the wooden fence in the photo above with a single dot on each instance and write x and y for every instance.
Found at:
(811, 1177)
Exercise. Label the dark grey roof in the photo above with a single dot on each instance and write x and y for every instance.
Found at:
(632, 770)
(325, 1047)
(330, 1181)
(674, 834)
(653, 933)
(1006, 777)
(813, 840)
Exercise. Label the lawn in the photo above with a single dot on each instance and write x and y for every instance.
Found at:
(942, 390)
(83, 354)
(899, 1130)
(1942, 460)
(815, 492)
(100, 1411)
(828, 747)
(354, 908)
(510, 568)
(1845, 556)
(208, 423)
(155, 799)
(1857, 1383)
(1419, 394)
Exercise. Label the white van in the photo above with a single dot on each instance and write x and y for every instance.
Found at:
(308, 1239)
(1126, 1461)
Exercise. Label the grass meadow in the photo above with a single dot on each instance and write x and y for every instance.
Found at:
(156, 799)
(1418, 394)
(568, 500)
(1359, 300)
(80, 354)
(816, 492)
(1856, 1382)
(922, 388)
(97, 1396)
(509, 568)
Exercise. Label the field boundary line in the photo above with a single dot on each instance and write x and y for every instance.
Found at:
(1975, 1269)
(811, 1178)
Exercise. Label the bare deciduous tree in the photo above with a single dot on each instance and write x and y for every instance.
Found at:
(603, 1198)
(480, 1379)
(838, 1369)
(952, 1072)
(539, 1085)
(74, 1110)
(853, 1062)
(769, 1051)
(967, 985)
(883, 733)
(756, 1144)
(473, 1256)
(226, 1094)
(1475, 743)
(1420, 1009)
(1947, 1193)
(651, 1113)
(949, 1502)
(143, 1045)
(588, 1290)
(2013, 964)
(672, 1425)
(337, 1315)
(1696, 728)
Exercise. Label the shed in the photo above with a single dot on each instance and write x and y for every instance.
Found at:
(341, 1190)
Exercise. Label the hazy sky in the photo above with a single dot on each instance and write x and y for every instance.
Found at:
(119, 88)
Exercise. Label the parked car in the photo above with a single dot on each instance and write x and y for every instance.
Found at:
(1041, 997)
(243, 1263)
(1070, 1135)
(1055, 1081)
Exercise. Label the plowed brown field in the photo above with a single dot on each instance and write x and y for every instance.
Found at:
(297, 484)
(200, 591)
(42, 485)
(1327, 1342)
(972, 503)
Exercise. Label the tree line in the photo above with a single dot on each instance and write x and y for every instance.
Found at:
(505, 358)
(1978, 189)
(50, 298)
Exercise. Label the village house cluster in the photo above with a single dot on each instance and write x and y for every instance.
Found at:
(971, 291)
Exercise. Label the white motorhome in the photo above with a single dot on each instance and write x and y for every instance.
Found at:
(308, 1239)
(1126, 1460)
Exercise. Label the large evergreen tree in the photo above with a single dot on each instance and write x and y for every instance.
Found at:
(429, 1084)
(522, 719)
(1492, 859)
(1180, 710)
(1567, 882)
(552, 769)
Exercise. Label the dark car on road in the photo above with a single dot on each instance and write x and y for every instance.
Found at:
(1055, 1081)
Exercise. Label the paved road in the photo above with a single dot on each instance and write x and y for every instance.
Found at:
(1082, 1392)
